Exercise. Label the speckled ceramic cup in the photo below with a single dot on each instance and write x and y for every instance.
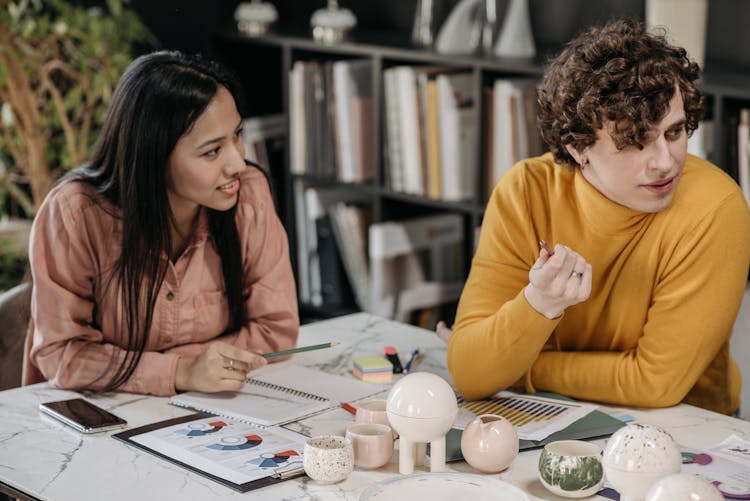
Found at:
(571, 468)
(328, 459)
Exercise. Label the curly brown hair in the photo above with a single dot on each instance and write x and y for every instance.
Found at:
(617, 73)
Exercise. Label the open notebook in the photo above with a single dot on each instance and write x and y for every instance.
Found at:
(279, 394)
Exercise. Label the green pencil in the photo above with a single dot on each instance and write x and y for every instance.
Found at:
(292, 351)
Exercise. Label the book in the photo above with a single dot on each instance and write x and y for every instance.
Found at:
(278, 394)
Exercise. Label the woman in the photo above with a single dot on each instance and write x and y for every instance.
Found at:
(161, 265)
(635, 303)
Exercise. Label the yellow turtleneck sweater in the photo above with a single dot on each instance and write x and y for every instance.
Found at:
(666, 290)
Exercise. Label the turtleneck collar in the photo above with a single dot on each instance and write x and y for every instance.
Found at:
(602, 214)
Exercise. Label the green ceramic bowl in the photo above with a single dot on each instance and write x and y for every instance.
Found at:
(571, 468)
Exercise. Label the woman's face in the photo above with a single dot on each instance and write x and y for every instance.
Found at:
(205, 164)
(644, 180)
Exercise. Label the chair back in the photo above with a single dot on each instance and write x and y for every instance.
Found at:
(15, 311)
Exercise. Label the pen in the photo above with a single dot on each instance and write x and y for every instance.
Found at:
(409, 362)
(292, 351)
(544, 246)
(349, 408)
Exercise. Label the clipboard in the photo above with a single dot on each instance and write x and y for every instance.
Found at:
(129, 437)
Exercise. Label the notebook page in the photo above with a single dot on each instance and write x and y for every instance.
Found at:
(330, 386)
(256, 404)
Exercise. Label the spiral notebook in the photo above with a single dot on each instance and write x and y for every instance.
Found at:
(279, 394)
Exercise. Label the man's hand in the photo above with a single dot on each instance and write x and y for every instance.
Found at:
(557, 281)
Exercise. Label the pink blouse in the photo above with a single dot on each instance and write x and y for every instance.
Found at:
(75, 242)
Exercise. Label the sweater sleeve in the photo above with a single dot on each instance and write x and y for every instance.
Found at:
(693, 308)
(497, 334)
(67, 347)
(269, 288)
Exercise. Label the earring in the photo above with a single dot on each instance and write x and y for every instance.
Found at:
(584, 162)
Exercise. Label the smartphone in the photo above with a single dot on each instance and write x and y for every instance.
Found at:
(83, 415)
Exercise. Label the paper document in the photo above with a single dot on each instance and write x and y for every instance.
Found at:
(726, 465)
(231, 452)
(535, 418)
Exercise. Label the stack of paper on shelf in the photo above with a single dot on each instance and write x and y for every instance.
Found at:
(373, 369)
(415, 263)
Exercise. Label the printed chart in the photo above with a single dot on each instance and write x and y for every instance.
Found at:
(228, 449)
(535, 418)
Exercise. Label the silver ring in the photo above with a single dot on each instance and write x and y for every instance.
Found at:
(230, 364)
(575, 274)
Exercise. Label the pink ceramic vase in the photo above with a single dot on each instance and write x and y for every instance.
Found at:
(489, 443)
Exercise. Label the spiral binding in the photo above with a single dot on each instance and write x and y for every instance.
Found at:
(291, 391)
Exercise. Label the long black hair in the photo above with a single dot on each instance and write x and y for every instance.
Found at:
(157, 101)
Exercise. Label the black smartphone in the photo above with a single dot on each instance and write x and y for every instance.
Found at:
(83, 415)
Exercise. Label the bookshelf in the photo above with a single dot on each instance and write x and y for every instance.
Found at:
(264, 65)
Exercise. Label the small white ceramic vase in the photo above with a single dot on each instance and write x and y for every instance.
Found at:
(516, 38)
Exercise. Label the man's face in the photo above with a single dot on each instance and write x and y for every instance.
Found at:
(641, 179)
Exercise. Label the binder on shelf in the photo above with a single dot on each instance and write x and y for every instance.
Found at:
(297, 120)
(350, 223)
(415, 263)
(409, 127)
(352, 90)
(743, 152)
(515, 133)
(392, 143)
(335, 288)
(458, 136)
(311, 204)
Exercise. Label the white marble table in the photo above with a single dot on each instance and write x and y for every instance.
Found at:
(42, 459)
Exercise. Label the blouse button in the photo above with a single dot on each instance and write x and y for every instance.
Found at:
(170, 296)
(168, 339)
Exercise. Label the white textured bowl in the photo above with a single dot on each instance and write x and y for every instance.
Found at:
(638, 455)
(683, 486)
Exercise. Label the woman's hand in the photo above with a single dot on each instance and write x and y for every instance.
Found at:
(557, 281)
(222, 367)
